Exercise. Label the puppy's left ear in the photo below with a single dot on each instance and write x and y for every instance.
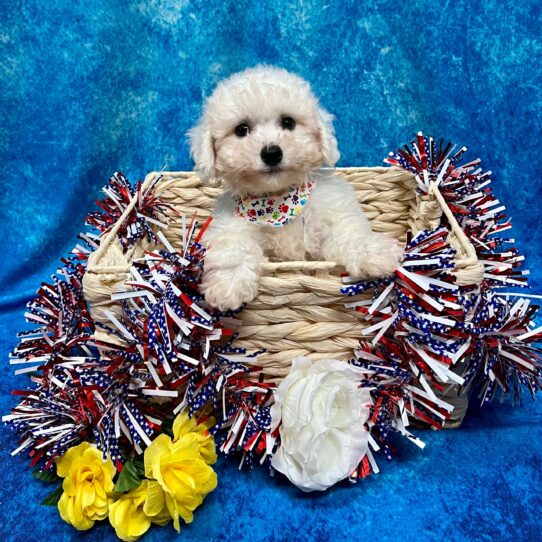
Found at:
(328, 142)
(202, 151)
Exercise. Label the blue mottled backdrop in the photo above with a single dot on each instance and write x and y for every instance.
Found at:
(91, 87)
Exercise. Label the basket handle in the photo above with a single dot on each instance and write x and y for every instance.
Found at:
(269, 268)
(466, 245)
(470, 270)
(111, 235)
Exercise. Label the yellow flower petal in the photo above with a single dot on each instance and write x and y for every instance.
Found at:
(64, 462)
(63, 507)
(155, 501)
(67, 485)
(185, 513)
(76, 517)
(161, 519)
(101, 492)
(137, 526)
(182, 425)
(86, 493)
(207, 449)
(159, 447)
(211, 484)
(202, 474)
(187, 447)
(181, 486)
(118, 512)
(173, 511)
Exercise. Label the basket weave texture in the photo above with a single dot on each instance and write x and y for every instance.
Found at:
(299, 309)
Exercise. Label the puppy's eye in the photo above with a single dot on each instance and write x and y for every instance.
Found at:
(287, 123)
(242, 130)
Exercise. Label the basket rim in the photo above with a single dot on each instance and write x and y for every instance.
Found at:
(471, 259)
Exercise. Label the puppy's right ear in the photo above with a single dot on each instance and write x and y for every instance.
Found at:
(202, 151)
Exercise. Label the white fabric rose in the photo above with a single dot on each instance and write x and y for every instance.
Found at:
(323, 412)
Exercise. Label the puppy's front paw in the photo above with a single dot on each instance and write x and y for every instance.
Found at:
(377, 256)
(228, 289)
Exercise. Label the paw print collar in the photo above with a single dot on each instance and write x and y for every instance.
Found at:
(275, 210)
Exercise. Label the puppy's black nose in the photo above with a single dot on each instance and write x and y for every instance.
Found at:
(271, 155)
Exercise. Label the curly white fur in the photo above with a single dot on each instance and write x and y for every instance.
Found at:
(333, 227)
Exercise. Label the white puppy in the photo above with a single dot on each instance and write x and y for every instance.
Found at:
(264, 136)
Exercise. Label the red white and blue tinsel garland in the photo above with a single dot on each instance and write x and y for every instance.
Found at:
(430, 335)
(146, 213)
(171, 352)
(467, 191)
(499, 332)
(120, 396)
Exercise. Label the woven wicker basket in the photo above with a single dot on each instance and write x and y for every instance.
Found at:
(299, 309)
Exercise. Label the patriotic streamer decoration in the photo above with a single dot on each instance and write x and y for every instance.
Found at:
(431, 337)
(504, 359)
(139, 222)
(246, 425)
(80, 392)
(500, 335)
(188, 347)
(467, 191)
(422, 304)
(417, 341)
(175, 355)
(53, 415)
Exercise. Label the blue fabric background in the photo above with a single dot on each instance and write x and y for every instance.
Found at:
(91, 87)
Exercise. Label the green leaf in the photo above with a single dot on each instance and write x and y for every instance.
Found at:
(46, 475)
(53, 498)
(140, 466)
(128, 478)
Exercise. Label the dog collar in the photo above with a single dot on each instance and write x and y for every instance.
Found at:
(275, 210)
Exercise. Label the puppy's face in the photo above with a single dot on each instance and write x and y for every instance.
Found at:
(265, 153)
(262, 131)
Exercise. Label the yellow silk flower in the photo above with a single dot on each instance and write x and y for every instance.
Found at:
(88, 486)
(184, 425)
(180, 468)
(132, 514)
